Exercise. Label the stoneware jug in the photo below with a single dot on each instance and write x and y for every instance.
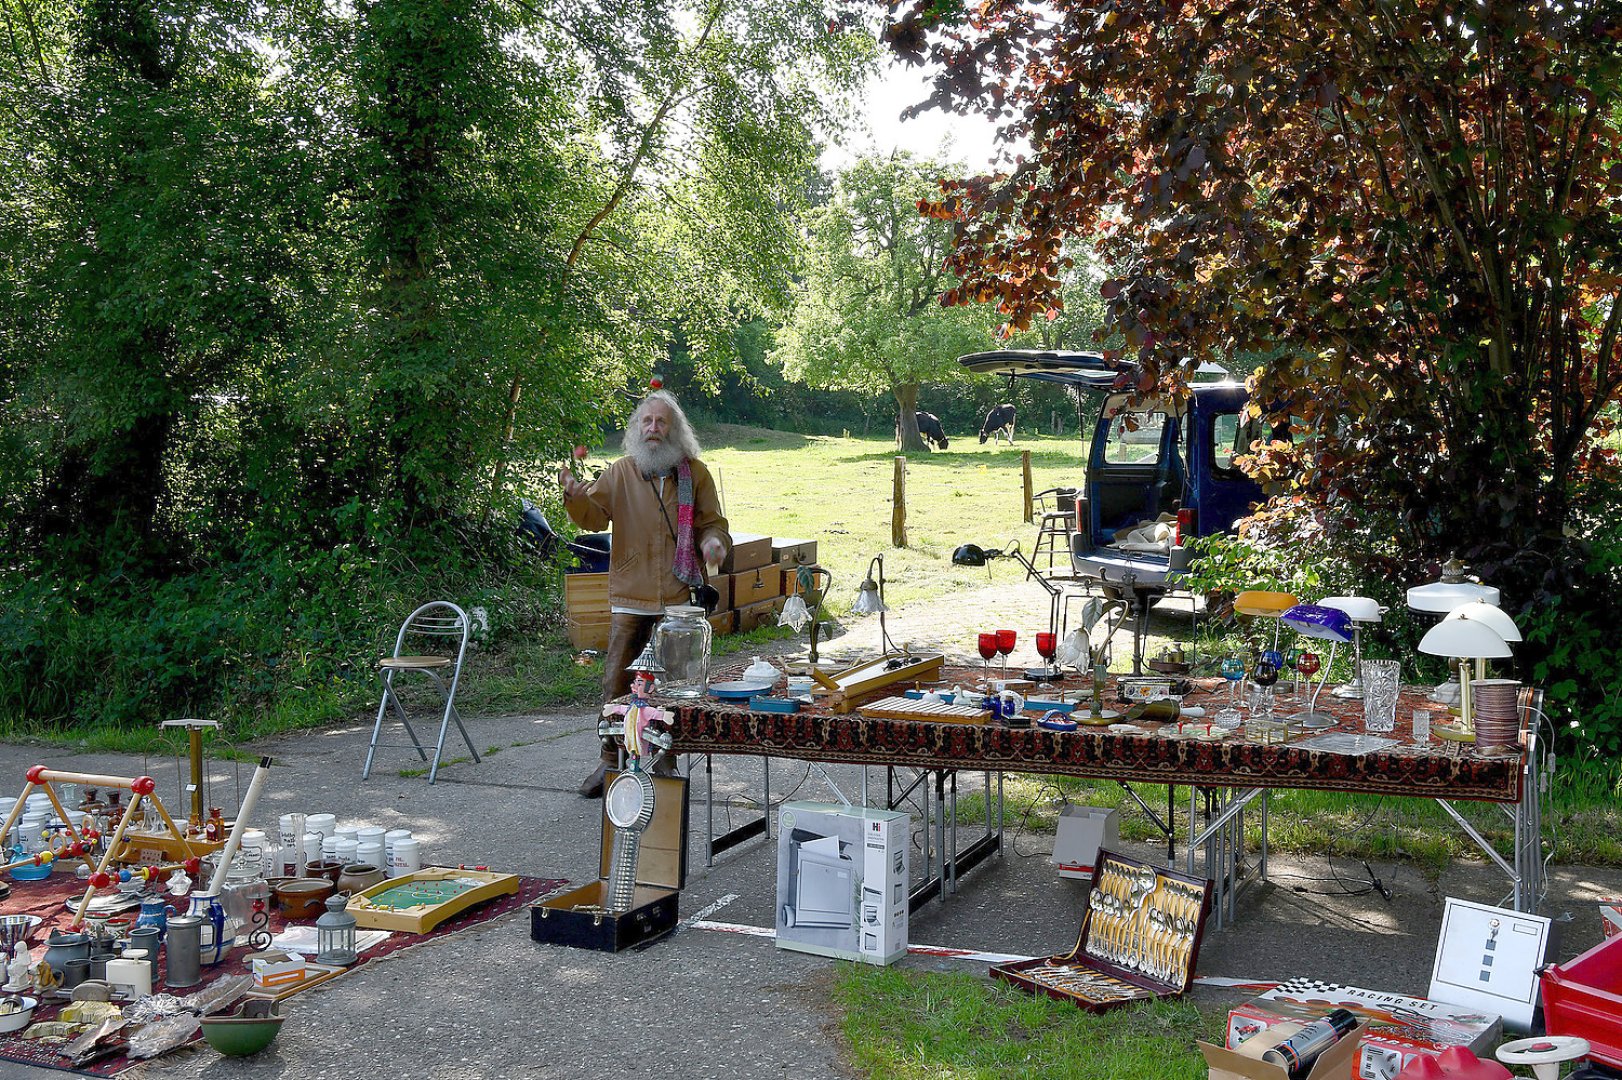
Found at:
(155, 912)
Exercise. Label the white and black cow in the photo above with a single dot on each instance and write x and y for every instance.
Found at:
(999, 424)
(929, 427)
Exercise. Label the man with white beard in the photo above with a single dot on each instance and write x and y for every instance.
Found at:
(662, 503)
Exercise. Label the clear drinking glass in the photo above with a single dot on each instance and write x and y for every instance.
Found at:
(1422, 726)
(1381, 680)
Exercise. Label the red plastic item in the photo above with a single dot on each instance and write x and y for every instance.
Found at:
(1185, 525)
(1584, 998)
(1454, 1063)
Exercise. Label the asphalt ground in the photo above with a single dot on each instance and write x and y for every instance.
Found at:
(493, 1003)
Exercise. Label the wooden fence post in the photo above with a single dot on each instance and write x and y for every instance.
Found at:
(1025, 463)
(898, 512)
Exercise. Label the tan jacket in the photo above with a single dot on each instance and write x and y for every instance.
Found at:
(643, 549)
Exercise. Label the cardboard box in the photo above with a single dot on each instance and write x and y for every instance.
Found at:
(1082, 831)
(749, 550)
(1487, 959)
(278, 969)
(842, 881)
(753, 586)
(764, 613)
(1400, 1028)
(1335, 1063)
(794, 552)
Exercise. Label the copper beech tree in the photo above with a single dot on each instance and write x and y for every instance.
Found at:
(1408, 208)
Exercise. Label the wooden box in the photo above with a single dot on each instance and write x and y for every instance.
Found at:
(723, 622)
(589, 631)
(1140, 939)
(762, 613)
(791, 578)
(749, 550)
(792, 553)
(372, 909)
(753, 586)
(577, 919)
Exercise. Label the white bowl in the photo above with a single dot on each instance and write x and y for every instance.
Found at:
(18, 1020)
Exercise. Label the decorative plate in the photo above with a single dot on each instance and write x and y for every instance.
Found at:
(739, 689)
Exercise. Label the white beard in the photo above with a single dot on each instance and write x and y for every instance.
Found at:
(656, 459)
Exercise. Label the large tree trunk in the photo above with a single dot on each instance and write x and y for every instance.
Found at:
(907, 439)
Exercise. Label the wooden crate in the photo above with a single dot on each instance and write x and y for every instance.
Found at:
(749, 550)
(794, 552)
(759, 614)
(753, 586)
(585, 593)
(589, 631)
(724, 622)
(791, 578)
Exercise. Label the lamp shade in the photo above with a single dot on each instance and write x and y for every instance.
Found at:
(1361, 609)
(972, 555)
(795, 613)
(1464, 638)
(1490, 614)
(1451, 590)
(1319, 621)
(868, 601)
(1268, 605)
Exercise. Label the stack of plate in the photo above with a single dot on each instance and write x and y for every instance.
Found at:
(1497, 711)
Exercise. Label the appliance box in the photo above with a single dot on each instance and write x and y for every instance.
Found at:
(1335, 1063)
(1400, 1028)
(576, 918)
(1083, 830)
(842, 881)
(1148, 964)
(749, 551)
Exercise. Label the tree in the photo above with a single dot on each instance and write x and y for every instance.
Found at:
(868, 315)
(1410, 206)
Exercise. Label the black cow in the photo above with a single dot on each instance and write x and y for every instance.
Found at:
(999, 423)
(929, 427)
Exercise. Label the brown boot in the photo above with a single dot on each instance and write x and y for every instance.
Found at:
(592, 786)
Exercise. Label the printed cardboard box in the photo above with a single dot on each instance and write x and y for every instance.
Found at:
(1400, 1028)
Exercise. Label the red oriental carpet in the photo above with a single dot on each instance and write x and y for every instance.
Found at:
(46, 899)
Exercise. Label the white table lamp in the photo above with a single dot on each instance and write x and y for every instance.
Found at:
(1466, 640)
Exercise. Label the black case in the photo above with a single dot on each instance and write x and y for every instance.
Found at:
(1134, 932)
(575, 918)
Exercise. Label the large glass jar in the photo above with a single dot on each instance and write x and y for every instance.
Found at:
(682, 645)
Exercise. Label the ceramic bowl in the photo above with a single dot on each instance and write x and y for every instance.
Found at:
(358, 877)
(303, 898)
(328, 870)
(16, 1021)
(242, 1033)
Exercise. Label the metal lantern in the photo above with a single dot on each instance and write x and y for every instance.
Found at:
(335, 933)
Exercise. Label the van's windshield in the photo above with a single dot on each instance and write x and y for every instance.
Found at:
(1134, 438)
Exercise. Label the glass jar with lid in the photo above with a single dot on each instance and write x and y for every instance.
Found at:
(682, 644)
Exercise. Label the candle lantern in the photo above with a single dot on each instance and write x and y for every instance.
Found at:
(335, 933)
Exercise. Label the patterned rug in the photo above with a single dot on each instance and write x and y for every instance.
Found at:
(47, 899)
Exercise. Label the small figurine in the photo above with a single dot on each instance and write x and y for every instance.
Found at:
(642, 727)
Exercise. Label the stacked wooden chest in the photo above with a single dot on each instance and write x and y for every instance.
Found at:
(756, 579)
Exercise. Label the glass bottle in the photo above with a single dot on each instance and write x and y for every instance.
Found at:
(682, 644)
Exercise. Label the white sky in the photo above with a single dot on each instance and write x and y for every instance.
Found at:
(968, 139)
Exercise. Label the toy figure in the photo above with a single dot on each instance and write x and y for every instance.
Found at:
(643, 727)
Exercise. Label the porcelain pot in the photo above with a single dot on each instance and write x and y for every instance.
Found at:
(155, 913)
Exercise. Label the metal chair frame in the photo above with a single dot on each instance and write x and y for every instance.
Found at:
(1053, 534)
(437, 619)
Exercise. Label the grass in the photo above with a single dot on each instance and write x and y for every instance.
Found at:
(911, 1026)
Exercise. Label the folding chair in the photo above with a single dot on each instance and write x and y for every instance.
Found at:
(439, 619)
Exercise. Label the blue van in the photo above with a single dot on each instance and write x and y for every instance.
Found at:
(1159, 471)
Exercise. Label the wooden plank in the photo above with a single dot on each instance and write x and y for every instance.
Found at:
(939, 712)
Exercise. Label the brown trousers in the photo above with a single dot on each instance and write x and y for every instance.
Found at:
(628, 635)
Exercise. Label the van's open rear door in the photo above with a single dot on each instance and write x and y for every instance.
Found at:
(1051, 365)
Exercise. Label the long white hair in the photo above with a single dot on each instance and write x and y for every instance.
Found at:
(680, 443)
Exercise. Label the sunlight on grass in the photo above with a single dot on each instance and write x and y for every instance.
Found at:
(913, 1026)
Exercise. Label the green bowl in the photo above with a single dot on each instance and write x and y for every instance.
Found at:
(239, 1036)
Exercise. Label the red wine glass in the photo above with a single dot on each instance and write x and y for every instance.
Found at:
(1047, 647)
(1005, 645)
(988, 649)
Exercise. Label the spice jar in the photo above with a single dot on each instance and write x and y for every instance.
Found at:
(682, 644)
